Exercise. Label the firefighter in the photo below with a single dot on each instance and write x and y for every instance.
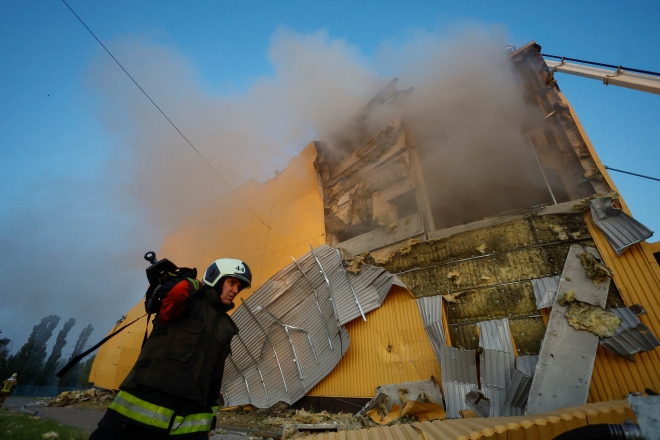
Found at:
(8, 387)
(174, 386)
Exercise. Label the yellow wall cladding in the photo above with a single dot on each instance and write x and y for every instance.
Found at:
(290, 204)
(637, 277)
(391, 347)
(537, 426)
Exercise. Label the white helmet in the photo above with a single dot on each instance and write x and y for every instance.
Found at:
(227, 267)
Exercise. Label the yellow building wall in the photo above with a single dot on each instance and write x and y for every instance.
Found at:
(290, 205)
(390, 347)
(637, 276)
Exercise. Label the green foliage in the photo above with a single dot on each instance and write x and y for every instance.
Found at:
(70, 379)
(45, 376)
(25, 427)
(29, 359)
(4, 357)
(85, 369)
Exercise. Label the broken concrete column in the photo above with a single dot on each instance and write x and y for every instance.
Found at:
(566, 359)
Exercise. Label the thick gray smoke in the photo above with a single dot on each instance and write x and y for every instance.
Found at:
(75, 248)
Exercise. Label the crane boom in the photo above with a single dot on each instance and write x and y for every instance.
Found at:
(617, 77)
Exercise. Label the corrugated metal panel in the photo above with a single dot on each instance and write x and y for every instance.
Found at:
(631, 337)
(289, 203)
(301, 326)
(538, 426)
(637, 277)
(430, 308)
(496, 362)
(459, 376)
(527, 364)
(517, 394)
(620, 229)
(391, 347)
(545, 290)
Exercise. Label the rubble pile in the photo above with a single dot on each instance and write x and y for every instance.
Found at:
(93, 395)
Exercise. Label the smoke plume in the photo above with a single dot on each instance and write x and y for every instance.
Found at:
(75, 247)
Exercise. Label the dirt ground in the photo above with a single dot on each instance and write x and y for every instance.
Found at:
(85, 408)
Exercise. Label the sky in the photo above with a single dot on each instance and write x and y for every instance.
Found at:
(92, 176)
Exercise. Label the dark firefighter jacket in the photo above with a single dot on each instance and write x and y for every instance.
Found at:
(185, 358)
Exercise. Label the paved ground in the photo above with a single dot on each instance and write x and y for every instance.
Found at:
(87, 419)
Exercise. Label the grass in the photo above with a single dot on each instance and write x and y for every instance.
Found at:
(15, 426)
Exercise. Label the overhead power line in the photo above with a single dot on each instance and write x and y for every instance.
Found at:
(632, 174)
(164, 115)
(630, 69)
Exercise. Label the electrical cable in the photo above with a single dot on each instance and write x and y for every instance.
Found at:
(647, 72)
(632, 174)
(164, 115)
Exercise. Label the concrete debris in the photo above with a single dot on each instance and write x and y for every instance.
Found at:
(354, 263)
(566, 359)
(478, 403)
(421, 401)
(93, 395)
(595, 268)
(583, 316)
(468, 414)
(413, 410)
(584, 203)
(384, 256)
(295, 425)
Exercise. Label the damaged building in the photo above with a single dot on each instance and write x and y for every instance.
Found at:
(374, 269)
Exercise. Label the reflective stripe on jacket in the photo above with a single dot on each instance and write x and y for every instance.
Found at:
(193, 423)
(160, 417)
(142, 411)
(8, 385)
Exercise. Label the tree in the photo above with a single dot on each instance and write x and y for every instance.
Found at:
(29, 359)
(4, 358)
(46, 374)
(70, 379)
(85, 369)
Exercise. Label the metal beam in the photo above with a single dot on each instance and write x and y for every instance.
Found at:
(616, 77)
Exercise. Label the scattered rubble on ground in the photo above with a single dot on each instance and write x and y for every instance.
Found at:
(95, 396)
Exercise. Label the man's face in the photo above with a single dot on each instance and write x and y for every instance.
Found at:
(230, 288)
